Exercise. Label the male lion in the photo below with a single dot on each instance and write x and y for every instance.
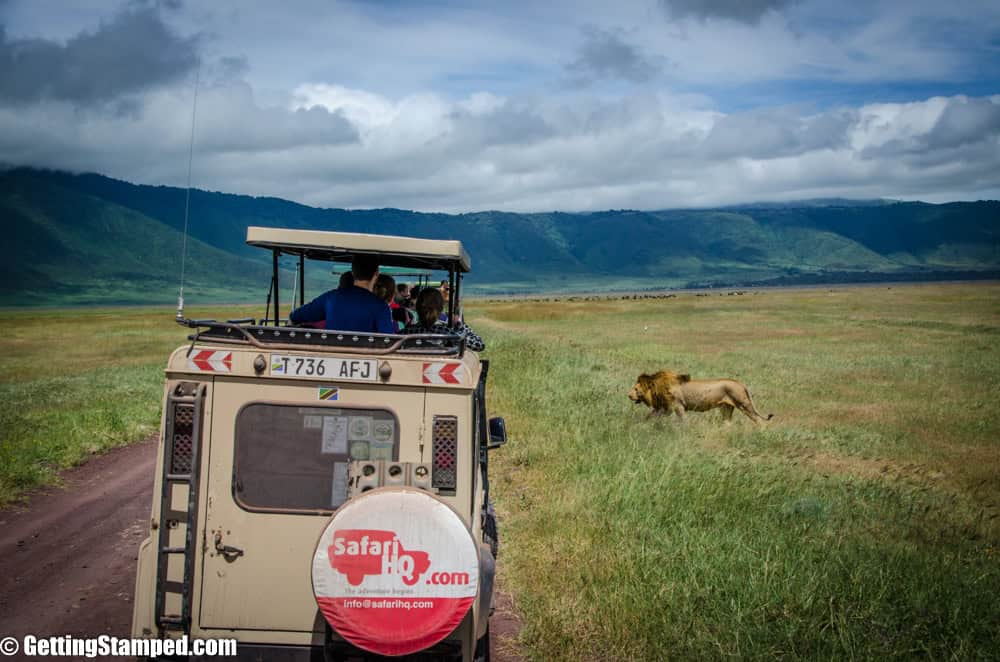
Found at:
(667, 391)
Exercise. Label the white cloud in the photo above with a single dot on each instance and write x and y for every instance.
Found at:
(457, 109)
(747, 11)
(341, 147)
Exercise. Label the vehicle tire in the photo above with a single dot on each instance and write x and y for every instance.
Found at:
(483, 647)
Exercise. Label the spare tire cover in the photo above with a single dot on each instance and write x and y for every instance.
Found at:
(395, 571)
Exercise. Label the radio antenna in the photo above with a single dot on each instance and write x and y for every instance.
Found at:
(187, 197)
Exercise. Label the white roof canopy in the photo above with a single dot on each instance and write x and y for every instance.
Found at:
(437, 254)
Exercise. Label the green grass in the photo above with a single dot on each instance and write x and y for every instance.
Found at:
(861, 523)
(78, 382)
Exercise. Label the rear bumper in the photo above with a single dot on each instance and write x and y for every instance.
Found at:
(332, 652)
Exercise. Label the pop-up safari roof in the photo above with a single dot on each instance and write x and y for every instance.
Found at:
(436, 254)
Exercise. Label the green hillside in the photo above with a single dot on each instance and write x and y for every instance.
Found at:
(71, 248)
(89, 238)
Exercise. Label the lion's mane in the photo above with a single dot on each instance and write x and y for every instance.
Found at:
(654, 389)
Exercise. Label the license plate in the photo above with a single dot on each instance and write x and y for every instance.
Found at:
(329, 368)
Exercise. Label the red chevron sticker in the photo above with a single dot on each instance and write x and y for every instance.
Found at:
(441, 373)
(208, 360)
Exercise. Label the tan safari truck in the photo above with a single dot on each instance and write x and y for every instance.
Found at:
(324, 495)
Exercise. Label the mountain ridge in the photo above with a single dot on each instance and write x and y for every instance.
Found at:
(86, 238)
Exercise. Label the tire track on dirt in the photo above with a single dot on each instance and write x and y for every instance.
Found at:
(67, 557)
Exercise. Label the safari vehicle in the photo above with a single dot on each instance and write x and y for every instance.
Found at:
(323, 494)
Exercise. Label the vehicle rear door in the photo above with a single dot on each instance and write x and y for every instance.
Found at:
(277, 469)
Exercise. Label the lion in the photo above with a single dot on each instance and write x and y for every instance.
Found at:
(667, 391)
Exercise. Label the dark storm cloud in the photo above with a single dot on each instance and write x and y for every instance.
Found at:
(510, 124)
(606, 55)
(134, 51)
(744, 11)
(963, 125)
(965, 121)
(775, 133)
(230, 120)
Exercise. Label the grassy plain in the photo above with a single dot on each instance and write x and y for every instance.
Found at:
(74, 382)
(863, 522)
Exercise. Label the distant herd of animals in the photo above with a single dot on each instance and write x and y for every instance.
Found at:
(611, 297)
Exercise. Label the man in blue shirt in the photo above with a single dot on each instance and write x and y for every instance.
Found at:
(350, 308)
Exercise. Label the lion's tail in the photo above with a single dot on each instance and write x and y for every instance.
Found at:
(753, 407)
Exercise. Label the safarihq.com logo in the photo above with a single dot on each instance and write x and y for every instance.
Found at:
(360, 552)
(395, 571)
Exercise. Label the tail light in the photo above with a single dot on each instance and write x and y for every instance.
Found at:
(181, 446)
(444, 440)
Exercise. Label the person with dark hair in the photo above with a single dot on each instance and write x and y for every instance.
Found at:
(351, 308)
(430, 303)
(402, 294)
(411, 303)
(385, 288)
(397, 298)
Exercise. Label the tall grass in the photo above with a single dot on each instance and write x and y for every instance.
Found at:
(862, 523)
(78, 382)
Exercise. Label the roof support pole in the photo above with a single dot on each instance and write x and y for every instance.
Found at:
(302, 279)
(267, 309)
(452, 298)
(277, 307)
(456, 296)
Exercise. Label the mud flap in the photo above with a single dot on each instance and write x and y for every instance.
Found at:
(487, 571)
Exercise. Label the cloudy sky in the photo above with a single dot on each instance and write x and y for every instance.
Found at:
(442, 105)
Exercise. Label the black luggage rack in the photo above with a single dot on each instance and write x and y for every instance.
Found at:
(286, 337)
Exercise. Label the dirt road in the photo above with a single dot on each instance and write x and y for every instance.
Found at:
(67, 556)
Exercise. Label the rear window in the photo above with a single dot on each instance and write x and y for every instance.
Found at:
(292, 458)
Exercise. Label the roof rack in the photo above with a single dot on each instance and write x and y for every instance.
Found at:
(297, 338)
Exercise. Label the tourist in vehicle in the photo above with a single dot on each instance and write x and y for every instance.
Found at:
(396, 297)
(402, 294)
(445, 293)
(385, 288)
(430, 304)
(411, 305)
(353, 308)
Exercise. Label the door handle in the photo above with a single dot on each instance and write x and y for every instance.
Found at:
(226, 551)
